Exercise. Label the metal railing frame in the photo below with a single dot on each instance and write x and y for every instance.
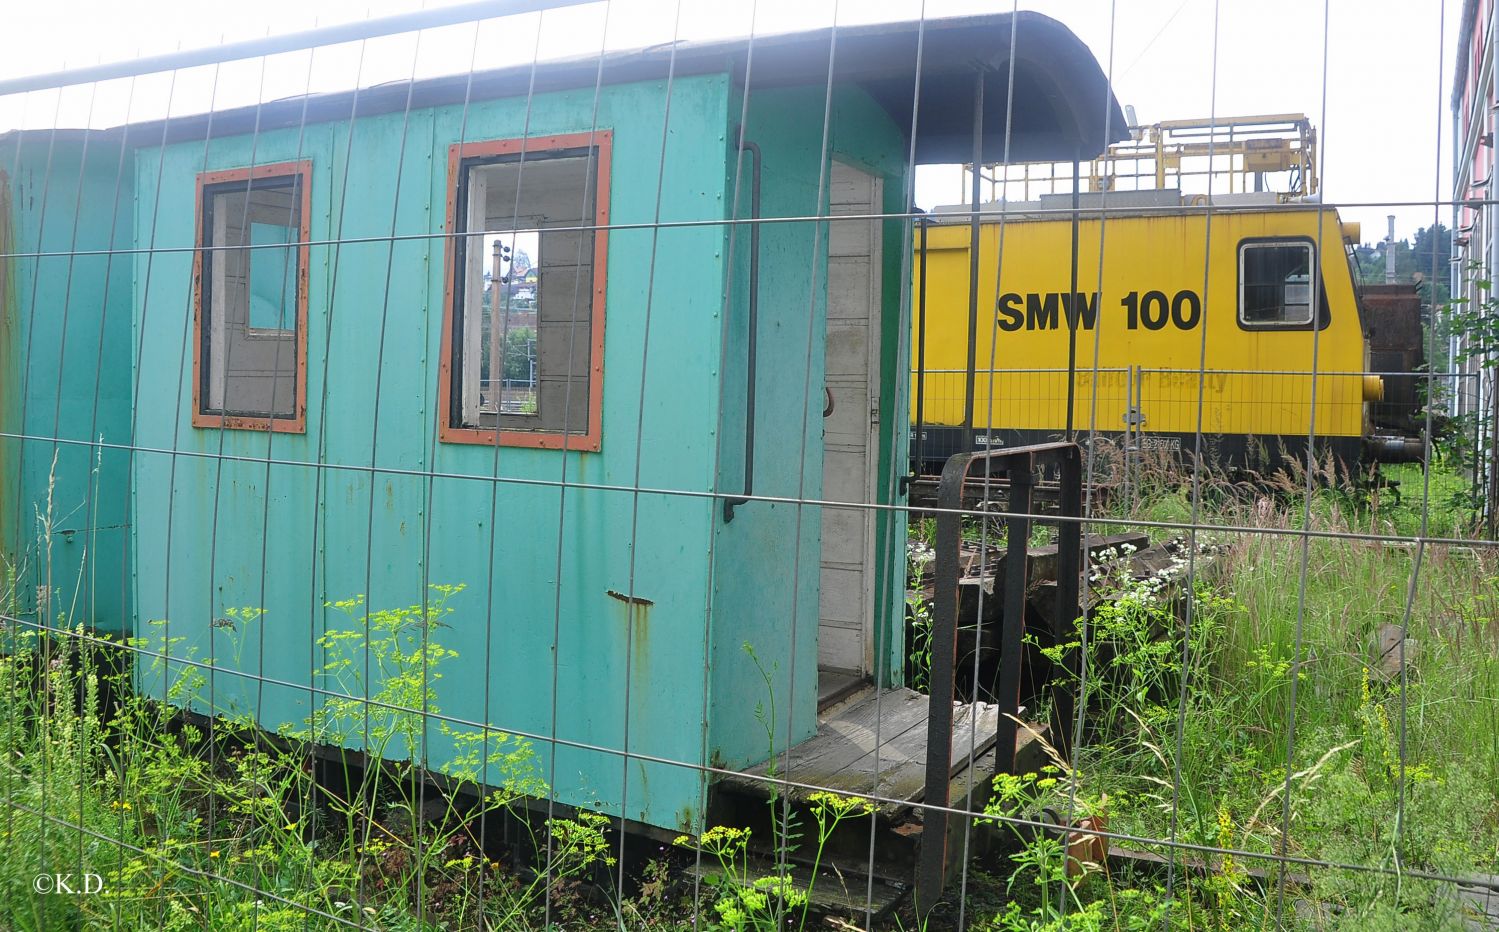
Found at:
(1021, 465)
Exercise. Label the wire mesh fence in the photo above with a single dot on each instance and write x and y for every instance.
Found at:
(605, 491)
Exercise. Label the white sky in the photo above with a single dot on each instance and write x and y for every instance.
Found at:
(1378, 124)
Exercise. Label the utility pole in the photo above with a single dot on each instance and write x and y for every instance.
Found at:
(1389, 253)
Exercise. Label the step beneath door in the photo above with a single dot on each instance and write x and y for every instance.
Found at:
(876, 746)
(834, 687)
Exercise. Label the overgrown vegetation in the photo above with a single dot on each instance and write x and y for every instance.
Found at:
(1391, 762)
(201, 823)
(762, 897)
(1262, 704)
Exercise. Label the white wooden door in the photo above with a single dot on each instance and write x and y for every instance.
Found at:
(846, 603)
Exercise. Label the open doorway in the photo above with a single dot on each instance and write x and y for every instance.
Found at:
(851, 405)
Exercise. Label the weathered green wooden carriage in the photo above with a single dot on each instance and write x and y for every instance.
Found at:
(254, 359)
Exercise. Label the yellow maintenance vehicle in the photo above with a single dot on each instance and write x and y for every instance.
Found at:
(1167, 316)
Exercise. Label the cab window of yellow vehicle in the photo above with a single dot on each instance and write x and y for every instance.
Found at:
(1275, 284)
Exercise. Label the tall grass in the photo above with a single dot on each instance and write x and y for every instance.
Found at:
(1192, 728)
(203, 822)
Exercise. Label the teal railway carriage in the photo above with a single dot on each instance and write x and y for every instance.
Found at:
(260, 362)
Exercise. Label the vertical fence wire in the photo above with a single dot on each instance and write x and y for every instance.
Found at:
(1090, 462)
(631, 606)
(897, 552)
(568, 427)
(740, 136)
(1306, 508)
(316, 608)
(988, 480)
(43, 612)
(368, 680)
(1197, 462)
(824, 171)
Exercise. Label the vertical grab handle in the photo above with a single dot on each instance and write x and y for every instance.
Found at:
(730, 504)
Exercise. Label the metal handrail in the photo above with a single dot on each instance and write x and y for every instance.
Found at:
(1021, 464)
(729, 504)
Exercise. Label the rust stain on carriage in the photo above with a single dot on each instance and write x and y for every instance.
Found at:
(637, 618)
(629, 599)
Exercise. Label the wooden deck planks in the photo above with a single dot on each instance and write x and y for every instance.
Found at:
(834, 687)
(842, 755)
(1478, 898)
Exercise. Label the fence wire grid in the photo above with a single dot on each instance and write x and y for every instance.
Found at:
(632, 488)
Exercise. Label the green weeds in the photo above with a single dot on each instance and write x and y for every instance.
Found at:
(203, 823)
(1188, 734)
(746, 897)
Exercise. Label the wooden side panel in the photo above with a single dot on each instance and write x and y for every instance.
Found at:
(369, 504)
(65, 337)
(767, 581)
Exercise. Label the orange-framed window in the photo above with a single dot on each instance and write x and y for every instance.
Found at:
(523, 330)
(250, 293)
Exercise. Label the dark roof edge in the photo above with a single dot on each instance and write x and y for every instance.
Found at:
(1074, 85)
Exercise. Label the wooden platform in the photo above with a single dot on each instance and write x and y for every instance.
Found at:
(876, 745)
(1478, 897)
(833, 688)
